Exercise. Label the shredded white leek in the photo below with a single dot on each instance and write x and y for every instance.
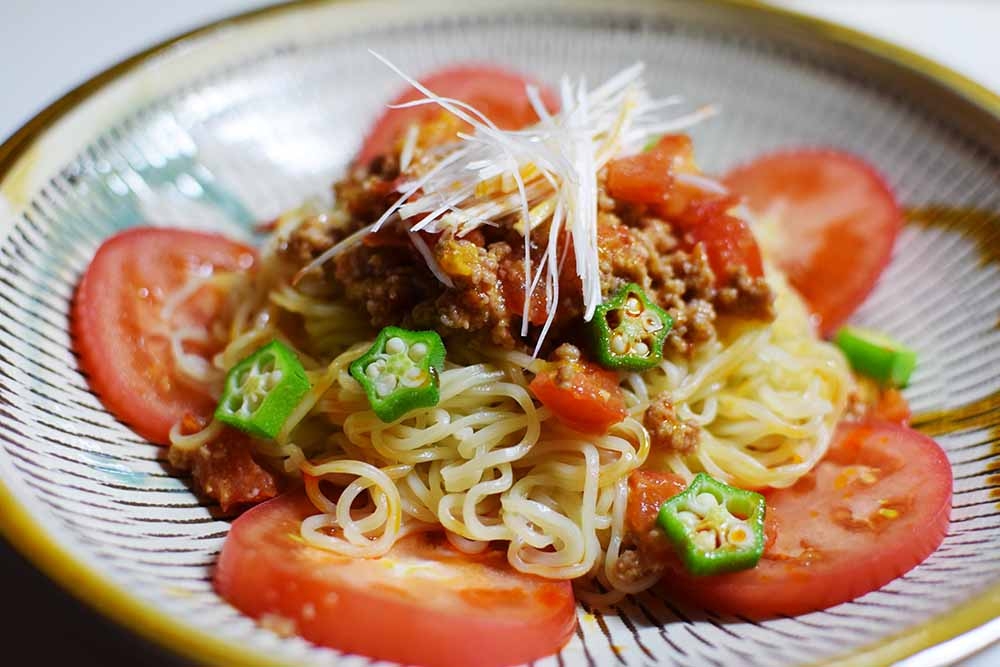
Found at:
(542, 175)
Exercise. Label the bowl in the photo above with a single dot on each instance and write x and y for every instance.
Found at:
(232, 123)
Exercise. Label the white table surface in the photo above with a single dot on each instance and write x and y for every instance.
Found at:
(50, 46)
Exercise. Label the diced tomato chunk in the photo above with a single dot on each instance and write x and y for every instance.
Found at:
(647, 491)
(581, 394)
(513, 289)
(892, 407)
(647, 177)
(644, 178)
(728, 241)
(225, 470)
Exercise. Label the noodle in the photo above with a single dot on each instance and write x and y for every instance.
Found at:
(487, 464)
(766, 403)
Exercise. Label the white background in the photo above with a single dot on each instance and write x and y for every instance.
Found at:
(49, 46)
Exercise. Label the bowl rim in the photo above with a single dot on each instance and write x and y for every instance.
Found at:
(74, 575)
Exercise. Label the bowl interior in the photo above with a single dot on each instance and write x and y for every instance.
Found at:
(239, 139)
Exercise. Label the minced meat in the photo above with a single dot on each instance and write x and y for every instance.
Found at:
(667, 432)
(388, 278)
(225, 470)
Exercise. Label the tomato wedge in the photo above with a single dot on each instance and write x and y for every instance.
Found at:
(581, 394)
(119, 329)
(496, 92)
(423, 603)
(839, 220)
(873, 509)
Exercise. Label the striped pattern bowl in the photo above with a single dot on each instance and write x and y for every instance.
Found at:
(235, 122)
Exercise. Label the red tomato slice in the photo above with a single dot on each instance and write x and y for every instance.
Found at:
(873, 509)
(118, 326)
(839, 221)
(423, 603)
(496, 92)
(582, 395)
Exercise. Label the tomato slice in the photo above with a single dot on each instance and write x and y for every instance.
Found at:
(423, 603)
(119, 328)
(838, 222)
(872, 510)
(581, 394)
(496, 92)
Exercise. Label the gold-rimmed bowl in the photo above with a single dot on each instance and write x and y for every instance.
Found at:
(237, 121)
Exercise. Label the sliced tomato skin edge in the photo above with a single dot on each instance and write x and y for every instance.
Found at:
(429, 639)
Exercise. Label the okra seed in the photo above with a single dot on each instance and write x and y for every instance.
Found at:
(707, 500)
(414, 377)
(641, 349)
(706, 540)
(633, 307)
(651, 321)
(618, 344)
(386, 384)
(418, 351)
(395, 345)
(703, 503)
(689, 519)
(738, 534)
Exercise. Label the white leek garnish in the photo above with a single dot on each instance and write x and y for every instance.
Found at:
(527, 179)
(701, 182)
(409, 145)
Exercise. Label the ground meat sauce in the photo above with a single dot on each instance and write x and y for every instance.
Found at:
(667, 432)
(387, 276)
